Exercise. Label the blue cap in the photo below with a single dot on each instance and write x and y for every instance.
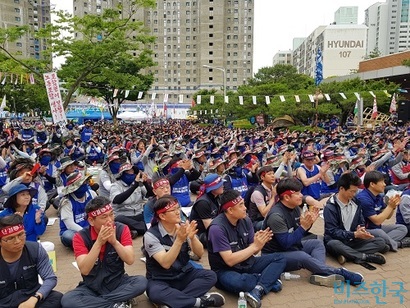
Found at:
(17, 189)
(212, 181)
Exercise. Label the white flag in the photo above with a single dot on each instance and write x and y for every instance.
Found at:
(311, 98)
(226, 99)
(4, 81)
(198, 99)
(211, 99)
(212, 111)
(240, 100)
(166, 97)
(357, 95)
(127, 92)
(140, 95)
(327, 97)
(115, 93)
(372, 94)
(282, 98)
(153, 95)
(267, 99)
(297, 98)
(205, 111)
(343, 95)
(3, 103)
(181, 98)
(254, 100)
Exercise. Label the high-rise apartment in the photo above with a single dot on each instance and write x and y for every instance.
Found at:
(35, 14)
(201, 44)
(282, 57)
(389, 26)
(346, 15)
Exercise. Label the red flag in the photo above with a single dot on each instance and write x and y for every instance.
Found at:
(393, 107)
(165, 110)
(374, 113)
(193, 103)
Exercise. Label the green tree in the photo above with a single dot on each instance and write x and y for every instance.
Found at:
(375, 53)
(104, 52)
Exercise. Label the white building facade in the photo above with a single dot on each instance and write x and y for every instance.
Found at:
(282, 57)
(343, 47)
(389, 26)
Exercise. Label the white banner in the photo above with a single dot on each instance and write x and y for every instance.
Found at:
(212, 99)
(267, 99)
(166, 97)
(240, 100)
(54, 97)
(254, 100)
(198, 99)
(297, 98)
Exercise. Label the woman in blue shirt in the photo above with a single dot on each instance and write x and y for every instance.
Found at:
(19, 202)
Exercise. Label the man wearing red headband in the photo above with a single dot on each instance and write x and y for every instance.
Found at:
(173, 280)
(232, 246)
(101, 250)
(291, 237)
(206, 206)
(21, 263)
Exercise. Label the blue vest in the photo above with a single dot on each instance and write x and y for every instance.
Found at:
(140, 165)
(240, 184)
(41, 137)
(78, 213)
(93, 154)
(27, 134)
(180, 190)
(86, 134)
(313, 189)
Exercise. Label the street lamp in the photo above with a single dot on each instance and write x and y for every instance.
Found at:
(223, 76)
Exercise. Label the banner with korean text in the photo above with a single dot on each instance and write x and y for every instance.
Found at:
(54, 97)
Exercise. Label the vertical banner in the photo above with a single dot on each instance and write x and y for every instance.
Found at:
(267, 99)
(54, 97)
(212, 100)
(240, 100)
(140, 95)
(198, 99)
(181, 98)
(166, 95)
(254, 100)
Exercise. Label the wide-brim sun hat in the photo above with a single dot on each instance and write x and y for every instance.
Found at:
(74, 181)
(17, 189)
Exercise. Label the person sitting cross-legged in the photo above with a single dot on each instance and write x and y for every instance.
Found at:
(172, 279)
(290, 228)
(346, 237)
(101, 249)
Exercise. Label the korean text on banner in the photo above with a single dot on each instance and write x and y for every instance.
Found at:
(54, 97)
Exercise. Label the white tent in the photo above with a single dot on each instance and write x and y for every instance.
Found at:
(133, 116)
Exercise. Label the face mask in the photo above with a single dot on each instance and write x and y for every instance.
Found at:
(115, 167)
(45, 160)
(238, 170)
(80, 192)
(128, 178)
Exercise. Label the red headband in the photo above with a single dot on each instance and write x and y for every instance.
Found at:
(232, 203)
(216, 181)
(9, 230)
(78, 176)
(167, 207)
(101, 211)
(287, 193)
(160, 183)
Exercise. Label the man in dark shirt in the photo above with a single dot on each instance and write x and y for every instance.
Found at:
(375, 211)
(21, 263)
(232, 246)
(290, 228)
(206, 207)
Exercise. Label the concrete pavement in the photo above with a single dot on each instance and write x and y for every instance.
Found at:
(379, 287)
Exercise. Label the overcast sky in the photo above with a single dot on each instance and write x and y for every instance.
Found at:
(278, 22)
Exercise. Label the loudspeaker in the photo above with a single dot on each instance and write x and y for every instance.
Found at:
(403, 111)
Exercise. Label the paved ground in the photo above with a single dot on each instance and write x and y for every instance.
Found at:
(295, 293)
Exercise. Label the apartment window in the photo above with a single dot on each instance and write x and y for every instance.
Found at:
(210, 78)
(211, 44)
(17, 10)
(187, 4)
(211, 35)
(211, 17)
(211, 26)
(211, 8)
(17, 18)
(85, 4)
(211, 53)
(16, 1)
(18, 44)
